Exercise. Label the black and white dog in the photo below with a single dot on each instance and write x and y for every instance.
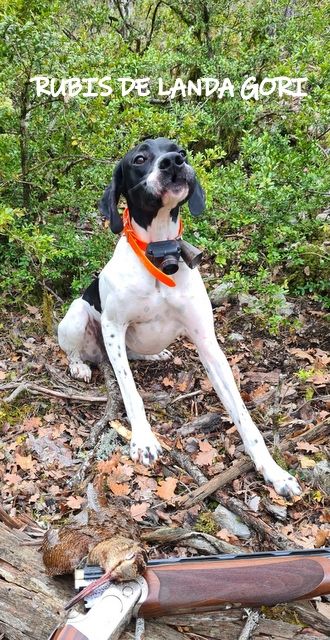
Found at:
(139, 316)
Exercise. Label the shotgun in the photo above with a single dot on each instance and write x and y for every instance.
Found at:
(185, 585)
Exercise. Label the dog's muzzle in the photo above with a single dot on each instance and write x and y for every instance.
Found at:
(166, 254)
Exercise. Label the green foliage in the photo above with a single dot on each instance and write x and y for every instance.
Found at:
(262, 163)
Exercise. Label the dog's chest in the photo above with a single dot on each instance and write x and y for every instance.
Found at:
(154, 325)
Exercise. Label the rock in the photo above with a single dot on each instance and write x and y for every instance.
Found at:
(254, 503)
(280, 512)
(221, 293)
(324, 216)
(285, 308)
(236, 337)
(248, 299)
(228, 520)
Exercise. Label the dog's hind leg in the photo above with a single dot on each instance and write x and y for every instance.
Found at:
(79, 336)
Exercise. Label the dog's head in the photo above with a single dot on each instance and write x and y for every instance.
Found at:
(154, 174)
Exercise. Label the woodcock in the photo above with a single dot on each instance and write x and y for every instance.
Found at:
(105, 536)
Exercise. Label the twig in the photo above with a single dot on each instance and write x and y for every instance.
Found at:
(186, 395)
(36, 389)
(113, 406)
(220, 480)
(185, 463)
(250, 625)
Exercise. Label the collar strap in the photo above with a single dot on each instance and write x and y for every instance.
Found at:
(139, 247)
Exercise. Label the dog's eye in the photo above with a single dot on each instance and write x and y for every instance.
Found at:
(183, 153)
(139, 160)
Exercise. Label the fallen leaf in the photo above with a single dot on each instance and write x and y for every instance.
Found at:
(177, 361)
(186, 381)
(168, 382)
(2, 375)
(260, 391)
(167, 488)
(75, 502)
(119, 489)
(320, 378)
(302, 355)
(25, 462)
(205, 458)
(31, 423)
(321, 538)
(274, 497)
(309, 447)
(206, 385)
(139, 510)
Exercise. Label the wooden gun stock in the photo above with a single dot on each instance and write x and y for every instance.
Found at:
(205, 585)
(67, 632)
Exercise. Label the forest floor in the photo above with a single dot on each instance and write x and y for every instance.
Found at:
(283, 381)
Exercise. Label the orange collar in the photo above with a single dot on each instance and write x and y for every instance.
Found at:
(139, 247)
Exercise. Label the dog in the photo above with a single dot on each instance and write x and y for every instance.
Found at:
(130, 312)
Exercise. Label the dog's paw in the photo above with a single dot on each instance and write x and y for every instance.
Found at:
(80, 371)
(283, 482)
(163, 355)
(145, 448)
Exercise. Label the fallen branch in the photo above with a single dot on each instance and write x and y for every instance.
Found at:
(35, 389)
(250, 625)
(200, 541)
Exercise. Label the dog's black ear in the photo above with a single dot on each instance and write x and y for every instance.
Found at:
(108, 204)
(196, 201)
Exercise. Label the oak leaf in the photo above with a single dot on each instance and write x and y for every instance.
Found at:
(167, 488)
(139, 510)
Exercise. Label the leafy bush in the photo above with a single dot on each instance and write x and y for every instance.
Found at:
(262, 163)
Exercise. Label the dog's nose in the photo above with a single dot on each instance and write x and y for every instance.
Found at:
(170, 161)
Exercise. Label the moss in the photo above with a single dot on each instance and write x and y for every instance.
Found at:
(12, 414)
(278, 457)
(280, 612)
(205, 523)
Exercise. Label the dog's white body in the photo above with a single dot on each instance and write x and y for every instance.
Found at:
(144, 316)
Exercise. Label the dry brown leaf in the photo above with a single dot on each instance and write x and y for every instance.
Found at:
(274, 497)
(25, 462)
(167, 488)
(321, 538)
(320, 378)
(206, 385)
(31, 423)
(204, 445)
(168, 382)
(139, 510)
(259, 391)
(107, 466)
(75, 502)
(205, 458)
(186, 381)
(309, 447)
(2, 375)
(302, 355)
(177, 361)
(118, 488)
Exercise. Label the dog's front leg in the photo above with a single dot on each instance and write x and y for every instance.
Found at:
(200, 328)
(145, 447)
